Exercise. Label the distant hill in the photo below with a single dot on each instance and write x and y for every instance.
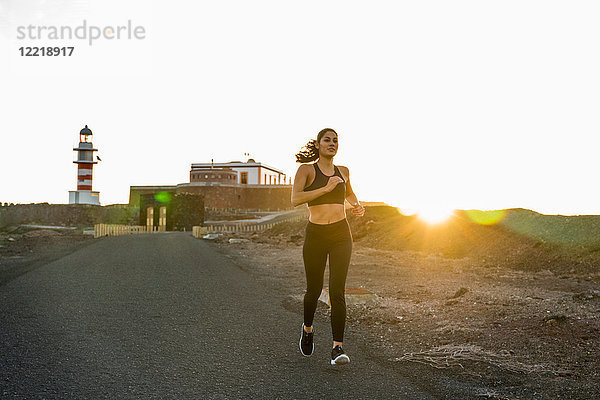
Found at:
(582, 230)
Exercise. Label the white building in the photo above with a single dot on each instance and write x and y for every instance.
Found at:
(248, 173)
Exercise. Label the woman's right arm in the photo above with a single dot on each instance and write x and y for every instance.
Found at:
(299, 196)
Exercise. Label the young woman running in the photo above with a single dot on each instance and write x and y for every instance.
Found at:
(325, 187)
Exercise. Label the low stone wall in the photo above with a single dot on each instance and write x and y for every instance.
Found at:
(67, 214)
(226, 197)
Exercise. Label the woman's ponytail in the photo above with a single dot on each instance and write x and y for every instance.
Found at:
(310, 152)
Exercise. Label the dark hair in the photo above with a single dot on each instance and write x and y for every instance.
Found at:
(310, 152)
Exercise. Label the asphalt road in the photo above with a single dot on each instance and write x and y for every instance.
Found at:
(167, 316)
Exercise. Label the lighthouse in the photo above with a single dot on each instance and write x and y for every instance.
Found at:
(85, 164)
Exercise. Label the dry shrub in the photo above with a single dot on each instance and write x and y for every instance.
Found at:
(448, 356)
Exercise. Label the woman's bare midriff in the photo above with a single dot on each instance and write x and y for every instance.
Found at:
(326, 213)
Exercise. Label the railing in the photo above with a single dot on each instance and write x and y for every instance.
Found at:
(101, 230)
(250, 226)
(199, 231)
(117, 230)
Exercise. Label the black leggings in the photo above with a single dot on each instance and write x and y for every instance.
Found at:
(334, 240)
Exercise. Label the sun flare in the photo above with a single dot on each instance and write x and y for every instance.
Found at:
(434, 215)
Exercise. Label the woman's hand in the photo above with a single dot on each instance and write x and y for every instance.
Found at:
(358, 210)
(333, 182)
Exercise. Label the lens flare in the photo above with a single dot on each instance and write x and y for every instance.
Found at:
(163, 197)
(486, 217)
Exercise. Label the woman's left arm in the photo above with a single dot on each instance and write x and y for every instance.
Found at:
(351, 198)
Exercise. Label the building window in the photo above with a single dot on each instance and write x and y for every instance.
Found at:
(244, 178)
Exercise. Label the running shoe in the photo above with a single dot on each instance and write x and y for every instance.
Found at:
(338, 357)
(306, 342)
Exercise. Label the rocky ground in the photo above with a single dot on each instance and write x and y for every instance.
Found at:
(23, 249)
(518, 310)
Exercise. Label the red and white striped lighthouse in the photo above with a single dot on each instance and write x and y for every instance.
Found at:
(85, 164)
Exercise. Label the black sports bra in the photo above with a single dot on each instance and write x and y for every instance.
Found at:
(336, 196)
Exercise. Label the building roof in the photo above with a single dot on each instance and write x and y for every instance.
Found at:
(237, 164)
(85, 131)
(165, 187)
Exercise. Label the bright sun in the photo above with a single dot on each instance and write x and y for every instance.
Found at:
(434, 215)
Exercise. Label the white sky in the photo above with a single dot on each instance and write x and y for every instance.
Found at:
(438, 104)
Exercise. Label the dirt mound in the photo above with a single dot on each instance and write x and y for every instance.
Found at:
(292, 228)
(523, 239)
(41, 233)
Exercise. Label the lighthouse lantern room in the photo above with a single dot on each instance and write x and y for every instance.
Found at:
(85, 164)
